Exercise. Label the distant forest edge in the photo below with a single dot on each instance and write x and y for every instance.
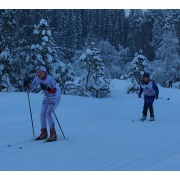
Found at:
(85, 48)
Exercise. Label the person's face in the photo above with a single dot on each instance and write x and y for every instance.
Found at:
(40, 74)
(146, 79)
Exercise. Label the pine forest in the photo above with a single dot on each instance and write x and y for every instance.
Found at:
(85, 48)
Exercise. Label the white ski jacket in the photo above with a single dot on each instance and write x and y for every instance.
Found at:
(50, 82)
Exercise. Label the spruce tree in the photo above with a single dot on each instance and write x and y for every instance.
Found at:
(138, 67)
(8, 36)
(5, 71)
(45, 51)
(93, 79)
(135, 35)
(167, 53)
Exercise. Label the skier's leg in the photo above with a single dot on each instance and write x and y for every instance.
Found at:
(151, 109)
(44, 133)
(52, 106)
(44, 107)
(145, 108)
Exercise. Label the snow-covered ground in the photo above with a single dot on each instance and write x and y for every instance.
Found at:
(101, 134)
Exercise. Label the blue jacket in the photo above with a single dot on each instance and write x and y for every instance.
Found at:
(149, 89)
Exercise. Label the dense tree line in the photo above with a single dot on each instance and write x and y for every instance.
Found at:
(58, 38)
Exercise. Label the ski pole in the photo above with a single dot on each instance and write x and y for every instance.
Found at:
(165, 98)
(30, 112)
(56, 118)
(160, 98)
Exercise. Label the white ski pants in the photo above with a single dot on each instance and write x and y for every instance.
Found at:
(48, 106)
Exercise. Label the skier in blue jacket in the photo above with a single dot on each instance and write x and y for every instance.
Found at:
(151, 92)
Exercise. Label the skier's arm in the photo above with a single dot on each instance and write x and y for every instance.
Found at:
(140, 91)
(155, 87)
(51, 88)
(34, 84)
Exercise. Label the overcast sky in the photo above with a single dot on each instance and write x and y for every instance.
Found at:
(89, 4)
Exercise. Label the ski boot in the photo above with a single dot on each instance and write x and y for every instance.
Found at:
(143, 118)
(144, 112)
(43, 134)
(152, 118)
(151, 113)
(53, 136)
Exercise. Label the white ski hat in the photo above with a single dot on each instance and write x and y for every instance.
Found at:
(41, 68)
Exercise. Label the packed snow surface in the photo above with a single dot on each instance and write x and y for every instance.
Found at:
(101, 134)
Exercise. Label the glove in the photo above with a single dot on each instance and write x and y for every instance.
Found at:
(157, 96)
(26, 84)
(45, 87)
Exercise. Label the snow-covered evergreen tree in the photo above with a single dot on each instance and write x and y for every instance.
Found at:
(5, 71)
(20, 64)
(157, 29)
(109, 56)
(135, 35)
(114, 61)
(167, 54)
(7, 47)
(7, 30)
(93, 79)
(66, 79)
(44, 49)
(138, 67)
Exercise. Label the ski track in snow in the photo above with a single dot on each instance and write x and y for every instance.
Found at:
(100, 132)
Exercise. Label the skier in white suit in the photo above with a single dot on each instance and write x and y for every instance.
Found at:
(50, 102)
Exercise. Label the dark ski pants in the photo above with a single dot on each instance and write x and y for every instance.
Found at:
(170, 84)
(148, 104)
